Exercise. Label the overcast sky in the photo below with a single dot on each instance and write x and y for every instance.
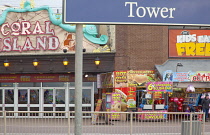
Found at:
(16, 3)
(54, 4)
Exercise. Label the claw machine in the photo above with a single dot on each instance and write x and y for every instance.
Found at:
(154, 99)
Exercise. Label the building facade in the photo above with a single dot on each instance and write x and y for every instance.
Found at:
(34, 45)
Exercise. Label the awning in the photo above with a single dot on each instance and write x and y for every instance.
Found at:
(186, 66)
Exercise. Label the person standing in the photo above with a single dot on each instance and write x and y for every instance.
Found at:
(205, 106)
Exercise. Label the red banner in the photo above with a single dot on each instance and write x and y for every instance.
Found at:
(42, 78)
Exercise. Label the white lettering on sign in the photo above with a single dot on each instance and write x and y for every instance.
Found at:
(16, 29)
(3, 29)
(186, 38)
(151, 12)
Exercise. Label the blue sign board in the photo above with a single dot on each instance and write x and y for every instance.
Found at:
(154, 12)
(171, 76)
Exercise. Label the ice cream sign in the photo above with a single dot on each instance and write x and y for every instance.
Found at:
(160, 86)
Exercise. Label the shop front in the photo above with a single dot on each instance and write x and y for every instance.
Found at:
(38, 61)
(133, 91)
(53, 95)
(190, 83)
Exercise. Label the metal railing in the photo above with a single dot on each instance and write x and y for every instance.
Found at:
(103, 123)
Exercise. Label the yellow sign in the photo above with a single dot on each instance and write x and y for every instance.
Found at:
(193, 49)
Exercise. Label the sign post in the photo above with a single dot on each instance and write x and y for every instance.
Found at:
(78, 79)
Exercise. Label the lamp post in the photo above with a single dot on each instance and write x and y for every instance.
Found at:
(179, 64)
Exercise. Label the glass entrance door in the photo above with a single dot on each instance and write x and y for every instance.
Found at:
(87, 100)
(28, 100)
(7, 100)
(54, 100)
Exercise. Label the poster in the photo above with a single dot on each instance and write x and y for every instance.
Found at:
(140, 77)
(133, 78)
(120, 79)
(128, 95)
(198, 76)
(97, 109)
(107, 80)
(189, 43)
(115, 106)
(160, 86)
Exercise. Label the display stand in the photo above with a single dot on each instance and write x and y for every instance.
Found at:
(153, 102)
(97, 109)
(113, 104)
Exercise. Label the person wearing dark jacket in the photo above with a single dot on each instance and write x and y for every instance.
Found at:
(205, 106)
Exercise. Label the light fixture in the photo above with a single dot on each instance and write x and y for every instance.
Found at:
(58, 15)
(97, 61)
(65, 62)
(6, 63)
(86, 75)
(179, 64)
(35, 62)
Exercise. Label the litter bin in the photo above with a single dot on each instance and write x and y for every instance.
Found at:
(196, 128)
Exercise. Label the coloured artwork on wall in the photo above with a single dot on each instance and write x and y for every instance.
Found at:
(30, 30)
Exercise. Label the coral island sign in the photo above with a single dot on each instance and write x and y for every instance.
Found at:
(24, 28)
(29, 30)
(167, 12)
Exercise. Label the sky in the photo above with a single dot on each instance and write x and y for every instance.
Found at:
(54, 4)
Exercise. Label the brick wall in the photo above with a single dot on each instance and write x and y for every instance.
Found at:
(140, 47)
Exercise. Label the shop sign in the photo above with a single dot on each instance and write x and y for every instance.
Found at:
(169, 75)
(199, 76)
(107, 80)
(116, 97)
(189, 43)
(31, 32)
(133, 78)
(165, 12)
(114, 116)
(152, 116)
(160, 86)
(115, 106)
(158, 95)
(41, 78)
(99, 81)
(120, 78)
(140, 77)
